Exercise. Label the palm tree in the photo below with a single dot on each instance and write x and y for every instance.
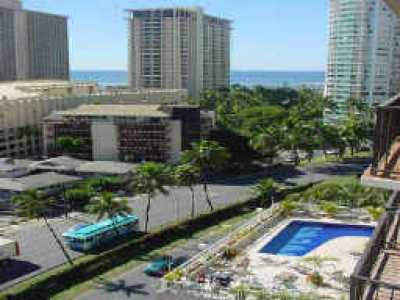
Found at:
(206, 156)
(188, 175)
(265, 190)
(33, 204)
(151, 178)
(109, 206)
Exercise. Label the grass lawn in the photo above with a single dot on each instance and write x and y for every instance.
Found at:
(320, 160)
(213, 231)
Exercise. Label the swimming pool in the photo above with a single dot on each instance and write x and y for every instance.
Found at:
(299, 238)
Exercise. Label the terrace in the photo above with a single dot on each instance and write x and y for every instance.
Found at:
(385, 169)
(377, 274)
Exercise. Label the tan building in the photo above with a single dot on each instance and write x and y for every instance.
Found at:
(130, 133)
(23, 105)
(175, 48)
(33, 45)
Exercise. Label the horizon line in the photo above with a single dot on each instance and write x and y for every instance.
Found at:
(233, 70)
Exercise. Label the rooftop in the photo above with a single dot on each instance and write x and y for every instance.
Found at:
(38, 181)
(27, 89)
(60, 163)
(9, 164)
(116, 111)
(106, 167)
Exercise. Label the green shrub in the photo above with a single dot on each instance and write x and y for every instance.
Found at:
(330, 208)
(376, 212)
(288, 206)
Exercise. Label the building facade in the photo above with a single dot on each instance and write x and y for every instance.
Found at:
(178, 48)
(23, 105)
(364, 53)
(33, 45)
(130, 133)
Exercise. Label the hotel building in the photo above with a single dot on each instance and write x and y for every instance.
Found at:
(130, 133)
(23, 105)
(175, 48)
(364, 53)
(33, 45)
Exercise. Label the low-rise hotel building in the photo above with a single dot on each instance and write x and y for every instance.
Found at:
(130, 133)
(23, 105)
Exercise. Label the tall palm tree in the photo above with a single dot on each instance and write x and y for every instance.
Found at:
(265, 190)
(33, 204)
(188, 175)
(109, 206)
(207, 157)
(151, 178)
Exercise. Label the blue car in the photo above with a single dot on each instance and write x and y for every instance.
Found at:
(161, 266)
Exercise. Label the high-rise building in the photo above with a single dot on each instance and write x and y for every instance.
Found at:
(364, 53)
(33, 45)
(175, 48)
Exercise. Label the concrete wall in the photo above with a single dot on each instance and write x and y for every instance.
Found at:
(175, 137)
(105, 141)
(12, 4)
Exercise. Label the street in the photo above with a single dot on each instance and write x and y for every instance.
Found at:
(40, 252)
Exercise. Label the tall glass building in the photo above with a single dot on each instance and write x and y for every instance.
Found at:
(364, 53)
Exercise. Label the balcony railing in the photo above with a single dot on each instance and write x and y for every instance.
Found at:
(368, 281)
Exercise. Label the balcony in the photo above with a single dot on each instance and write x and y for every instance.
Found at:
(376, 275)
(385, 169)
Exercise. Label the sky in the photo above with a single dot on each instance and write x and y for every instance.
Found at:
(286, 35)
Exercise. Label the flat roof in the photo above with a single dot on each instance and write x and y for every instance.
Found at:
(106, 167)
(60, 163)
(37, 181)
(10, 164)
(112, 110)
(11, 90)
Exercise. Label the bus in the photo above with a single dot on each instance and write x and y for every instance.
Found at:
(87, 237)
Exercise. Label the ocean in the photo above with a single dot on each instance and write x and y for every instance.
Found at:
(249, 78)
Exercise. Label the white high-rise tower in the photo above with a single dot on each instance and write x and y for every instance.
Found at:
(364, 61)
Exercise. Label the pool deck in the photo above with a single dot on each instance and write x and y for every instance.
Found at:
(290, 272)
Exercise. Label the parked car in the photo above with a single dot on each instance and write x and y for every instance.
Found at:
(161, 266)
(8, 249)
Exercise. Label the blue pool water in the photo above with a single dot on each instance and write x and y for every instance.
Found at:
(300, 237)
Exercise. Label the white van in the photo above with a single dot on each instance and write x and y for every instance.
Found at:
(8, 249)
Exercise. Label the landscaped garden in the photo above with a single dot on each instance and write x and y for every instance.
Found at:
(261, 261)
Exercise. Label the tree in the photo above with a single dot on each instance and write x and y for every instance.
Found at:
(207, 157)
(150, 179)
(268, 143)
(109, 206)
(265, 191)
(68, 144)
(79, 196)
(317, 262)
(33, 204)
(188, 175)
(236, 144)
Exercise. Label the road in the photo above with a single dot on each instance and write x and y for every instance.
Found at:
(41, 253)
